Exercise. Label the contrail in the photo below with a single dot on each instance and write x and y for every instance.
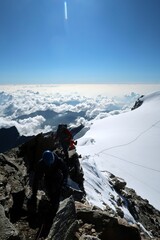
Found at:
(65, 11)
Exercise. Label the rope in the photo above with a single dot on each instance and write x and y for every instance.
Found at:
(138, 136)
(122, 145)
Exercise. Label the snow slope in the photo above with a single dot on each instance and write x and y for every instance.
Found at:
(127, 145)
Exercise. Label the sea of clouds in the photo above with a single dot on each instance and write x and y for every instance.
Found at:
(32, 111)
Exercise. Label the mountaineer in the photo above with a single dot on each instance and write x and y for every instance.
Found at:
(55, 174)
(64, 136)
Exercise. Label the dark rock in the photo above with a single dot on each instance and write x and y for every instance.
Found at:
(118, 183)
(76, 130)
(12, 175)
(65, 223)
(108, 227)
(10, 138)
(7, 138)
(88, 237)
(138, 103)
(7, 229)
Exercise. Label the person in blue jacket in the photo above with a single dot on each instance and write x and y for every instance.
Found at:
(54, 171)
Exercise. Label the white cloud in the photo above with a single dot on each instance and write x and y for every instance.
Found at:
(81, 120)
(27, 127)
(19, 103)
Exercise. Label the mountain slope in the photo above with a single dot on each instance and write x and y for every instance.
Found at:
(128, 146)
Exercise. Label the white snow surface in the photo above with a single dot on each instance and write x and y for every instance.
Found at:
(128, 146)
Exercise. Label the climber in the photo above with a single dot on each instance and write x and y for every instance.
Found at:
(53, 171)
(55, 174)
(64, 136)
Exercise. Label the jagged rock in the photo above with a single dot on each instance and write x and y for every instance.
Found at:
(87, 237)
(88, 221)
(107, 226)
(12, 188)
(138, 103)
(146, 213)
(76, 130)
(118, 183)
(7, 229)
(65, 223)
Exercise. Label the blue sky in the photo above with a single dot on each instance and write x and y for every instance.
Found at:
(98, 41)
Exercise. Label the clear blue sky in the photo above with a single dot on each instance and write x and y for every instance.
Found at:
(94, 41)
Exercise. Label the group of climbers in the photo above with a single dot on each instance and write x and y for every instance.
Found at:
(54, 170)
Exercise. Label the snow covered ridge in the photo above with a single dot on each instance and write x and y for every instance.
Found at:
(152, 97)
(128, 146)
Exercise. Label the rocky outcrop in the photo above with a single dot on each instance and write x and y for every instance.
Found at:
(138, 103)
(65, 223)
(108, 227)
(144, 214)
(85, 223)
(12, 183)
(7, 229)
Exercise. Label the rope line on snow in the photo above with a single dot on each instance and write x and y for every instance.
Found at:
(139, 180)
(122, 145)
(135, 177)
(139, 165)
(138, 136)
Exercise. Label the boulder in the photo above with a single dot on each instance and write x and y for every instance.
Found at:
(118, 183)
(88, 237)
(108, 227)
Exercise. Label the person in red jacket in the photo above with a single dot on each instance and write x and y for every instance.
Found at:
(64, 136)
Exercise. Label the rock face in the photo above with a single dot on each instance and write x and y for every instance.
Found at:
(75, 219)
(12, 182)
(69, 224)
(65, 223)
(108, 227)
(8, 231)
(139, 208)
(138, 103)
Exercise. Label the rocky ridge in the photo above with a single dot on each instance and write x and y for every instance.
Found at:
(75, 219)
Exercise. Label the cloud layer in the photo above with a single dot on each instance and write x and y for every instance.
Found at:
(34, 111)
